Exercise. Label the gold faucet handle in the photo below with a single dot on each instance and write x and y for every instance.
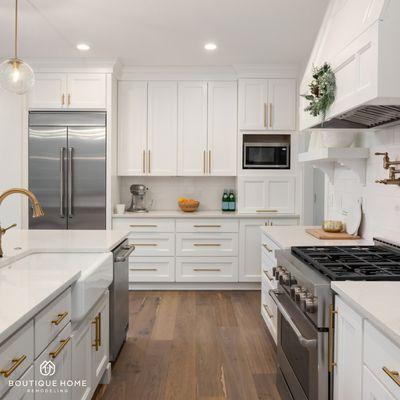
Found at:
(4, 230)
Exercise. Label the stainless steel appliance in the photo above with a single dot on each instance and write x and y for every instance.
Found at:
(305, 309)
(265, 155)
(67, 168)
(139, 202)
(119, 298)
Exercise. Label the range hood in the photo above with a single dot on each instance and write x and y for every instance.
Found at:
(360, 39)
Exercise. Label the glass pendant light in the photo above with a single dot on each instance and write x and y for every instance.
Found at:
(15, 75)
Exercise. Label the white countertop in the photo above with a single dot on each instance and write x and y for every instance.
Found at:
(376, 301)
(25, 287)
(202, 214)
(288, 236)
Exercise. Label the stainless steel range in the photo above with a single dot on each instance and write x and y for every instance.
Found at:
(305, 309)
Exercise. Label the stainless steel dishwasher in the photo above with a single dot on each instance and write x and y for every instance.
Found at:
(119, 298)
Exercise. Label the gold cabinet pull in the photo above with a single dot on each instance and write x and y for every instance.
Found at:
(331, 337)
(99, 328)
(145, 244)
(265, 115)
(206, 226)
(16, 363)
(393, 375)
(270, 278)
(97, 341)
(267, 211)
(69, 100)
(206, 244)
(267, 310)
(204, 162)
(207, 269)
(209, 161)
(270, 115)
(59, 318)
(58, 350)
(144, 269)
(143, 226)
(144, 161)
(267, 248)
(149, 163)
(63, 99)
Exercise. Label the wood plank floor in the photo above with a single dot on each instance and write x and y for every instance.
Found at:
(203, 345)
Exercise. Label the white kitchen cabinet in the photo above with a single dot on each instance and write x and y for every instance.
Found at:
(21, 392)
(222, 128)
(162, 129)
(153, 244)
(347, 372)
(267, 104)
(151, 269)
(372, 388)
(192, 128)
(263, 194)
(132, 127)
(68, 91)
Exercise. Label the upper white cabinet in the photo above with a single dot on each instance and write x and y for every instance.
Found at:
(267, 104)
(68, 91)
(162, 134)
(267, 195)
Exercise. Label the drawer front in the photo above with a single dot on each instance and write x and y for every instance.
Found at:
(207, 225)
(51, 320)
(152, 269)
(267, 270)
(16, 355)
(373, 389)
(152, 244)
(21, 392)
(269, 310)
(204, 269)
(144, 225)
(382, 357)
(206, 244)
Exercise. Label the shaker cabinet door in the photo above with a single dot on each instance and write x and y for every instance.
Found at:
(49, 91)
(86, 91)
(281, 104)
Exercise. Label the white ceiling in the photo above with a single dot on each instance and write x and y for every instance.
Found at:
(166, 32)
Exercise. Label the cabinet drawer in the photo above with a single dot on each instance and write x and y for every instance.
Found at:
(269, 310)
(16, 355)
(267, 270)
(382, 357)
(59, 352)
(144, 225)
(204, 269)
(20, 392)
(372, 388)
(152, 244)
(206, 244)
(152, 269)
(207, 225)
(51, 320)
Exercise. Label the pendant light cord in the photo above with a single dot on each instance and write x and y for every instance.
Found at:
(16, 31)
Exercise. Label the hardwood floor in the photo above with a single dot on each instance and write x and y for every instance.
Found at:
(202, 345)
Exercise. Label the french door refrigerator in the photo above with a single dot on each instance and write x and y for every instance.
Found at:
(67, 168)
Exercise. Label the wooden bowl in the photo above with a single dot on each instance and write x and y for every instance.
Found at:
(332, 226)
(189, 206)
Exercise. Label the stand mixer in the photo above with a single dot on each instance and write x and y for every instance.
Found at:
(139, 202)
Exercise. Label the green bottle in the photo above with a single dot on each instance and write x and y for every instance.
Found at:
(232, 201)
(225, 201)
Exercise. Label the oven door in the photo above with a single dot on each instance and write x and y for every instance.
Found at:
(266, 156)
(302, 353)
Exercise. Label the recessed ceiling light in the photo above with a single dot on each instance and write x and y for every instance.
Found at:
(83, 47)
(210, 46)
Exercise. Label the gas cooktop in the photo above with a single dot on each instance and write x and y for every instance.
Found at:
(373, 263)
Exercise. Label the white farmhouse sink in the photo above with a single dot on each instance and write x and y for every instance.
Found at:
(96, 275)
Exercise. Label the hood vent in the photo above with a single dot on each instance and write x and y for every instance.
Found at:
(364, 117)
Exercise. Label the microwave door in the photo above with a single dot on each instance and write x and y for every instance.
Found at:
(265, 156)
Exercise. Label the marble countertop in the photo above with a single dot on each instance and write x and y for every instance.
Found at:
(202, 214)
(288, 236)
(376, 301)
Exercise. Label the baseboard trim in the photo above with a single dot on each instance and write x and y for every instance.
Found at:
(195, 286)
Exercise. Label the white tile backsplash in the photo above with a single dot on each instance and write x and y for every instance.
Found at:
(165, 191)
(381, 203)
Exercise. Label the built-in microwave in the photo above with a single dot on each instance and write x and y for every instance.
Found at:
(266, 155)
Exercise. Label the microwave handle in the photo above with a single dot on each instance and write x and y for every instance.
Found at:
(308, 343)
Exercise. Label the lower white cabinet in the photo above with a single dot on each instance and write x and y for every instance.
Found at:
(21, 392)
(373, 389)
(152, 269)
(206, 269)
(153, 244)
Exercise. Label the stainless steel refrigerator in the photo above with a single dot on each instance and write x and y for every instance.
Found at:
(67, 168)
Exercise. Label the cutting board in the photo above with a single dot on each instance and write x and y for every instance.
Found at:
(321, 234)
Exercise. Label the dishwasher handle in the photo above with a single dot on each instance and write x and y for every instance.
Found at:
(124, 253)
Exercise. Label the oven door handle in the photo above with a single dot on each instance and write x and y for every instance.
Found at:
(308, 343)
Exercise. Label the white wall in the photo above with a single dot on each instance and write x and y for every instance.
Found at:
(381, 203)
(10, 155)
(166, 190)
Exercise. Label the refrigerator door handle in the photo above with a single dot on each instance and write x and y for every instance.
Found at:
(62, 183)
(70, 180)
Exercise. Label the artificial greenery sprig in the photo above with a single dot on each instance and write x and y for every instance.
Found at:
(322, 91)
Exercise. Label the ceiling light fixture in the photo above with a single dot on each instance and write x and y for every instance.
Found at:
(210, 46)
(15, 75)
(83, 47)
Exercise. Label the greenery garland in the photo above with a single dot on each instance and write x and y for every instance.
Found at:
(322, 91)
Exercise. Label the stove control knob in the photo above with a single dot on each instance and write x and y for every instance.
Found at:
(284, 278)
(299, 293)
(311, 304)
(276, 271)
(293, 281)
(303, 299)
(294, 290)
